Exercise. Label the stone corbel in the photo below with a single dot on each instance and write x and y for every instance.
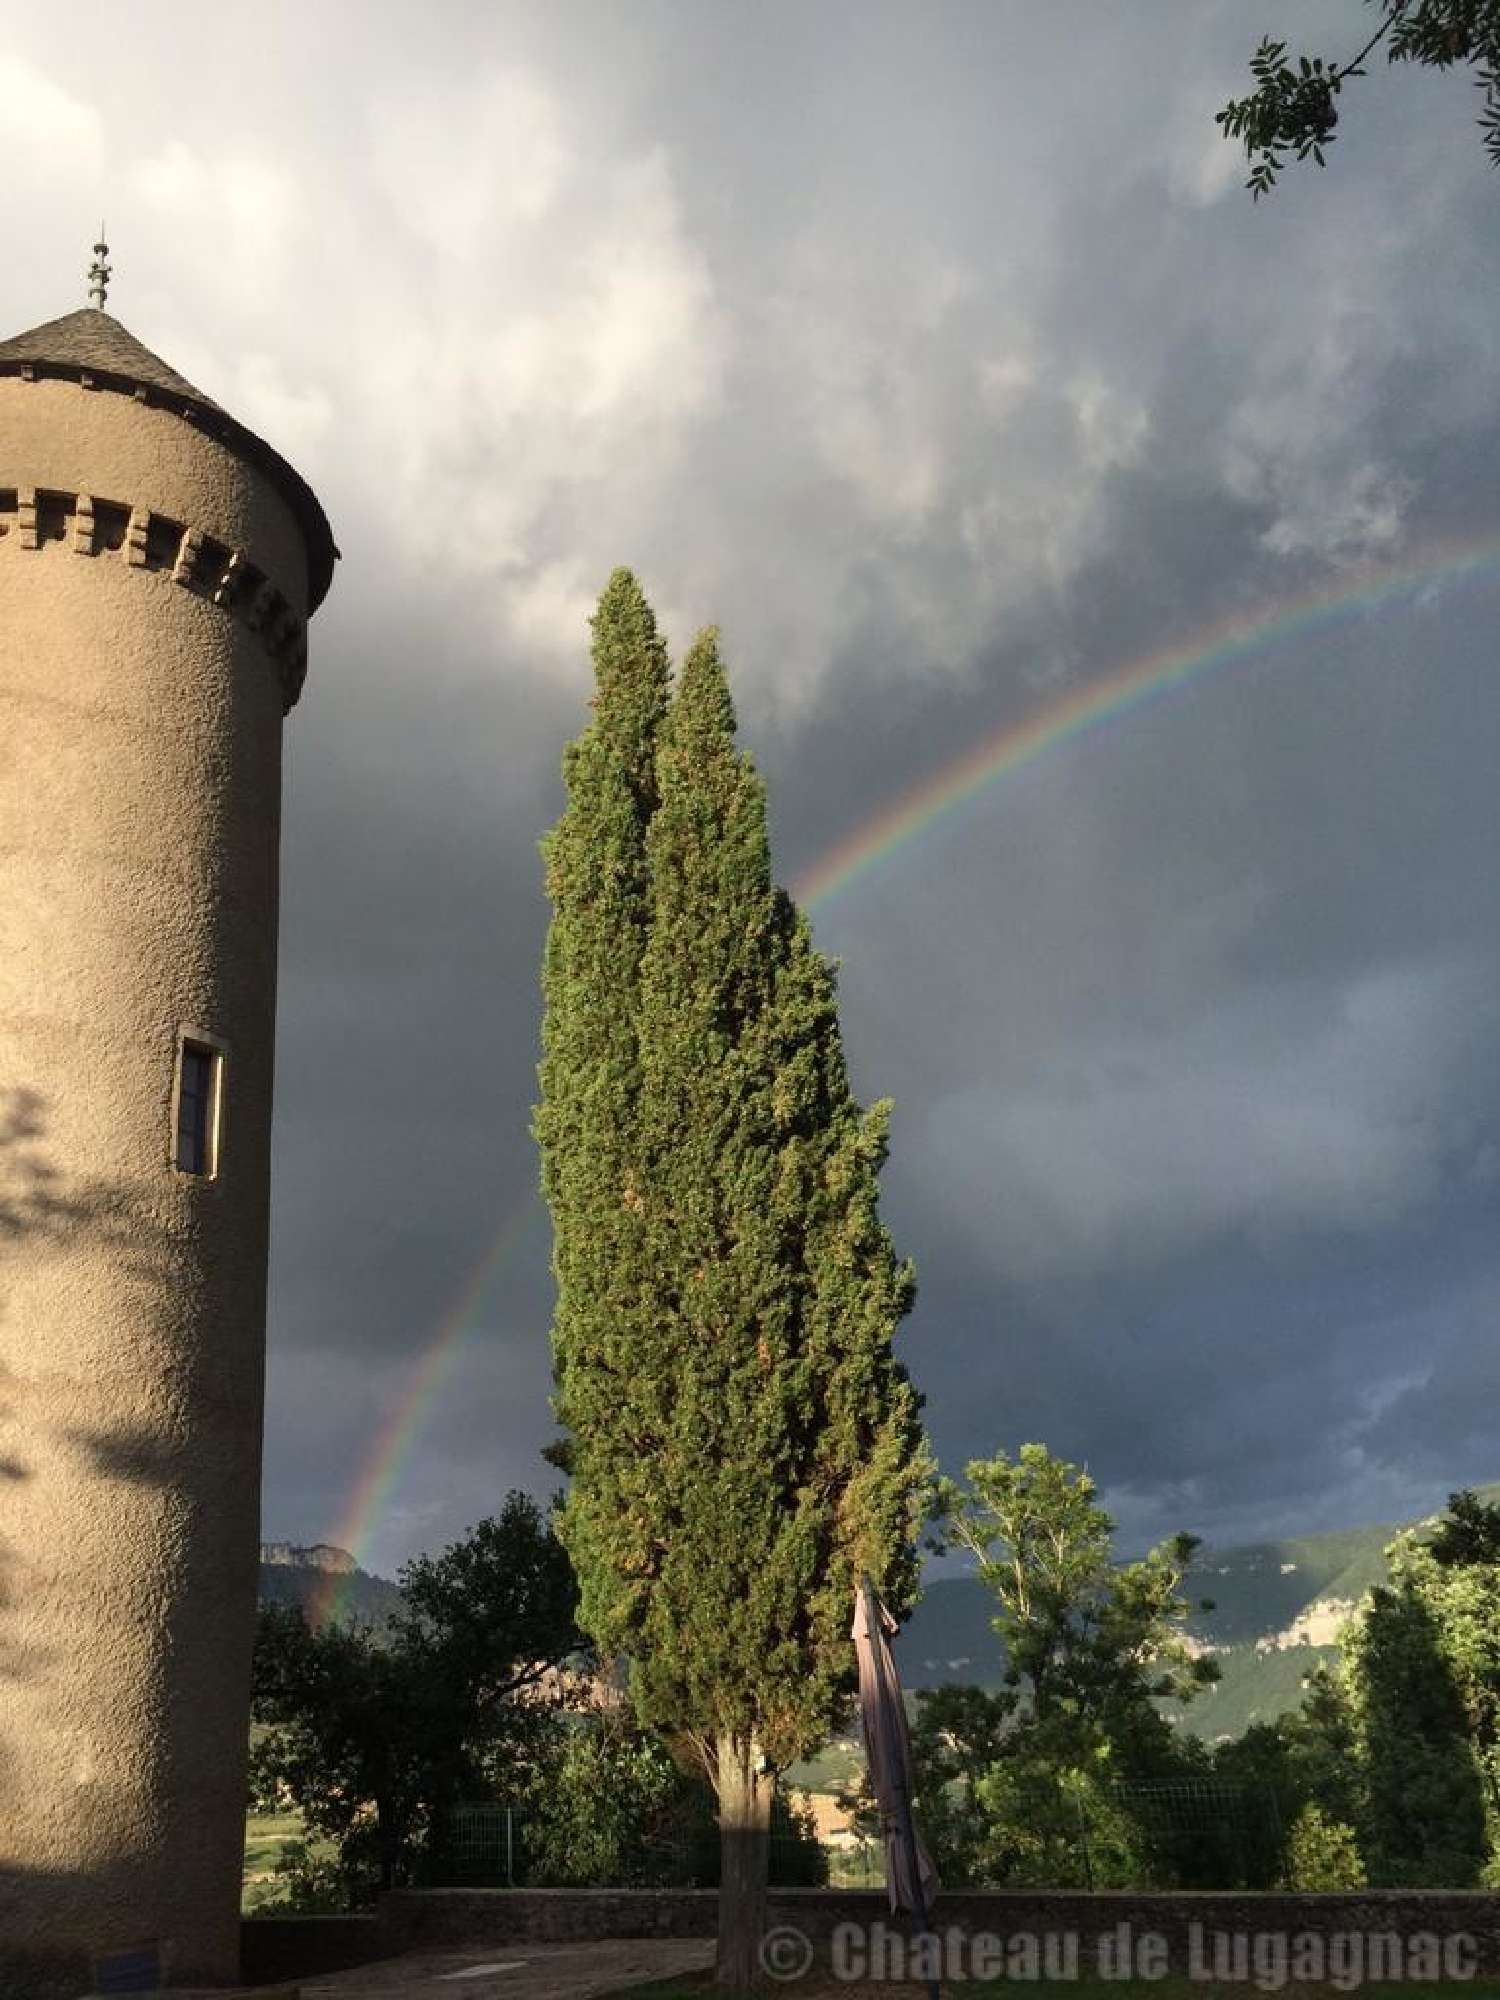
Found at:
(135, 537)
(83, 525)
(185, 569)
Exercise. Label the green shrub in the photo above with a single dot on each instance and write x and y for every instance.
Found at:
(1322, 1853)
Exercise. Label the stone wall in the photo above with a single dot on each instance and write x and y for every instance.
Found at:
(284, 1948)
(419, 1918)
(1193, 1927)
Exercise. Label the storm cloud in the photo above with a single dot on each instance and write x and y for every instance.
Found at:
(938, 355)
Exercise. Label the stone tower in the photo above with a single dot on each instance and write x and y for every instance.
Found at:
(158, 563)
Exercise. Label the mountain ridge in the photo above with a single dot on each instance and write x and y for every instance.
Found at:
(1277, 1606)
(327, 1582)
(1276, 1609)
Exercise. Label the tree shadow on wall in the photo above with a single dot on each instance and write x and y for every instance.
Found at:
(41, 1209)
(29, 1199)
(44, 1212)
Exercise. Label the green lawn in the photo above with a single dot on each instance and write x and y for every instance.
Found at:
(265, 1834)
(821, 1987)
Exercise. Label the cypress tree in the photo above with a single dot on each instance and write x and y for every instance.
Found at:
(587, 1120)
(753, 1443)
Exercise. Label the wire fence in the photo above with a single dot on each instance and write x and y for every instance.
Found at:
(1196, 1828)
(1203, 1833)
(501, 1846)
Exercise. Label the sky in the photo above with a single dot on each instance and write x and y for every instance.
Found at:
(937, 355)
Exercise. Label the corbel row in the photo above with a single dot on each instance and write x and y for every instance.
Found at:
(195, 561)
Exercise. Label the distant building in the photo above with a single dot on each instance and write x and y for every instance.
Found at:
(158, 564)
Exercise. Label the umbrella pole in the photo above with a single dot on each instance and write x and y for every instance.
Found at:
(905, 1831)
(924, 1922)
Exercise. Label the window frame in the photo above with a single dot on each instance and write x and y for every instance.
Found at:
(201, 1042)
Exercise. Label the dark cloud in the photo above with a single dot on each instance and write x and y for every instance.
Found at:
(943, 361)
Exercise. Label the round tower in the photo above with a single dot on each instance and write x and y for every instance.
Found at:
(158, 564)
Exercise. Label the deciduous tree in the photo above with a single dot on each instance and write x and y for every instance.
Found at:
(374, 1737)
(1089, 1641)
(1090, 1646)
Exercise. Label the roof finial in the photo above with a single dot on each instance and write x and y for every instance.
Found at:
(99, 272)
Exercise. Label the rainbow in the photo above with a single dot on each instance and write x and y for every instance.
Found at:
(386, 1459)
(1121, 691)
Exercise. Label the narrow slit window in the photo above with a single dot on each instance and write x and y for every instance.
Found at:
(199, 1073)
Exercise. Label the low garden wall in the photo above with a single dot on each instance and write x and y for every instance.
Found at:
(273, 1949)
(1206, 1934)
(1374, 1936)
(438, 1917)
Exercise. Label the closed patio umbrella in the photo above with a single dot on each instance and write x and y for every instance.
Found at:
(911, 1879)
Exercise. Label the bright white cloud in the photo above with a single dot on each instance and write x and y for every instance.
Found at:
(1341, 516)
(471, 170)
(299, 417)
(43, 126)
(535, 392)
(241, 206)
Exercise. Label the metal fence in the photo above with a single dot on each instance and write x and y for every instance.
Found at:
(481, 1849)
(1204, 1832)
(1195, 1833)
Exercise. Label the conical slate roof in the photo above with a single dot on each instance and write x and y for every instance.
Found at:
(91, 343)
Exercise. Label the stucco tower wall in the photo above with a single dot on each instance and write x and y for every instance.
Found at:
(140, 773)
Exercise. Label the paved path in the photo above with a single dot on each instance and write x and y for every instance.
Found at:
(509, 1972)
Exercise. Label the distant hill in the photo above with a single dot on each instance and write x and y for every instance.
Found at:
(1277, 1607)
(1276, 1611)
(321, 1579)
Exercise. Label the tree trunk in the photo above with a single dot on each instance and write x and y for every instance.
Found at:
(744, 1794)
(387, 1842)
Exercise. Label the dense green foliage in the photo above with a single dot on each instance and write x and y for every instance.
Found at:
(741, 1440)
(1468, 1535)
(375, 1737)
(587, 1119)
(1294, 106)
(611, 1806)
(1322, 1854)
(1089, 1640)
(1055, 1778)
(1387, 1773)
(1395, 1745)
(1421, 1818)
(792, 1455)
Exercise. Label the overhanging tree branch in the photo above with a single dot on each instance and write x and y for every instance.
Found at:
(1294, 107)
